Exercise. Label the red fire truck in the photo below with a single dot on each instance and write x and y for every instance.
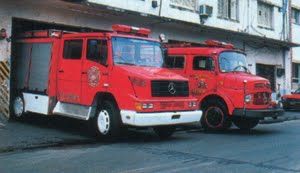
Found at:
(226, 89)
(114, 79)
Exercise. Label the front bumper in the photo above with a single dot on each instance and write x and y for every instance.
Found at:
(258, 113)
(134, 118)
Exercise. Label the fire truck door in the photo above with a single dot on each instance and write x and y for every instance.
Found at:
(95, 69)
(69, 71)
(202, 75)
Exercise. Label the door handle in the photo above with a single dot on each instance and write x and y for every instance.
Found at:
(84, 72)
(61, 71)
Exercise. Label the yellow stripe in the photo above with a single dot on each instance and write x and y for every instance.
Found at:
(3, 69)
(3, 76)
(4, 95)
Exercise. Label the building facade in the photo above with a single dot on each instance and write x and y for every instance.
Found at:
(262, 28)
(295, 23)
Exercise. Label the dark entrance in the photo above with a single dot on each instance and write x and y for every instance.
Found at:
(268, 72)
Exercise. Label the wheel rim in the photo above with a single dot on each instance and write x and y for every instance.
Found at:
(103, 122)
(214, 117)
(18, 106)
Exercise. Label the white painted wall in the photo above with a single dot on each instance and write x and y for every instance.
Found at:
(247, 14)
(296, 34)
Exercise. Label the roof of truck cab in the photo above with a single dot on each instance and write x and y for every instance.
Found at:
(203, 50)
(103, 34)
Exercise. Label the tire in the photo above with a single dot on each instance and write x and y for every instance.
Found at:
(215, 116)
(164, 131)
(18, 107)
(107, 123)
(285, 108)
(245, 123)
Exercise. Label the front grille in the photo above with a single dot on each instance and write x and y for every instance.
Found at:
(261, 98)
(169, 88)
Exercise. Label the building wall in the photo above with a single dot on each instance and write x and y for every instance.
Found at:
(247, 14)
(296, 39)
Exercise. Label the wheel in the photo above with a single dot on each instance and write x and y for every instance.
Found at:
(245, 123)
(18, 107)
(285, 108)
(106, 123)
(215, 115)
(164, 131)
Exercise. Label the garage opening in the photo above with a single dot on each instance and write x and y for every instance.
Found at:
(268, 72)
(19, 64)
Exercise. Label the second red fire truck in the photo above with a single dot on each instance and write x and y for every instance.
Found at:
(114, 79)
(226, 89)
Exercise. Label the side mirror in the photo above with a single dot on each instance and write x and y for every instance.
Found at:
(292, 92)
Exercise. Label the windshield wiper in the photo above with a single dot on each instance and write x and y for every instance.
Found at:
(125, 63)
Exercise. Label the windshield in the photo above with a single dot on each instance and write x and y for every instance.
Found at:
(297, 91)
(130, 51)
(232, 61)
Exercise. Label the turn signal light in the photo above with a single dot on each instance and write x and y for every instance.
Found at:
(141, 106)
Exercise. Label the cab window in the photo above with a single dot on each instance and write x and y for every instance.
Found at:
(175, 62)
(72, 49)
(203, 63)
(97, 51)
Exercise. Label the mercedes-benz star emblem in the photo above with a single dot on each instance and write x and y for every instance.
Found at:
(171, 88)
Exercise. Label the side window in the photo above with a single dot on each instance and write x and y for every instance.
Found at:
(203, 63)
(72, 49)
(97, 51)
(176, 62)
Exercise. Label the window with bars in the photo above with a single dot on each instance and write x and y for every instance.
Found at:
(228, 9)
(296, 16)
(265, 15)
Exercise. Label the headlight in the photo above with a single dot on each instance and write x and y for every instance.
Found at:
(192, 104)
(248, 98)
(141, 106)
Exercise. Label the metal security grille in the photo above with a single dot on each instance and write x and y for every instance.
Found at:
(4, 91)
(169, 88)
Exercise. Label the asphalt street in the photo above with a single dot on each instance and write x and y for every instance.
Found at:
(268, 148)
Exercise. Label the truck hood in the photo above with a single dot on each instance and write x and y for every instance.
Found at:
(291, 96)
(150, 73)
(236, 81)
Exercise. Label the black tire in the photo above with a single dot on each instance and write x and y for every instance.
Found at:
(245, 123)
(215, 115)
(285, 108)
(164, 131)
(107, 123)
(18, 107)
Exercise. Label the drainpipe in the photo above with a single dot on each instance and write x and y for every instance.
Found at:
(291, 40)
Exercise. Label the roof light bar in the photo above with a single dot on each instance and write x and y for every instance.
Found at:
(219, 44)
(131, 29)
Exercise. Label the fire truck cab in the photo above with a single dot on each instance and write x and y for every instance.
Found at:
(226, 89)
(114, 79)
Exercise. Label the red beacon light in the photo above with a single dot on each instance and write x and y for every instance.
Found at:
(131, 29)
(219, 44)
